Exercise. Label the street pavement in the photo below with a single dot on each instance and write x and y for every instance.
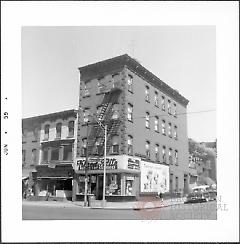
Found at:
(70, 210)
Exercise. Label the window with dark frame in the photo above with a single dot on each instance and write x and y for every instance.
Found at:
(130, 83)
(175, 133)
(176, 157)
(163, 103)
(164, 154)
(130, 112)
(115, 144)
(157, 152)
(130, 145)
(147, 122)
(55, 153)
(147, 147)
(169, 129)
(169, 107)
(163, 127)
(156, 103)
(175, 110)
(84, 146)
(170, 156)
(147, 94)
(46, 132)
(156, 124)
(71, 128)
(86, 115)
(86, 90)
(58, 130)
(34, 155)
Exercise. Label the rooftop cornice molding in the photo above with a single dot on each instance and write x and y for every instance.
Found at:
(104, 67)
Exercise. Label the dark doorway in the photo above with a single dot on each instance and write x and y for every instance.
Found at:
(99, 187)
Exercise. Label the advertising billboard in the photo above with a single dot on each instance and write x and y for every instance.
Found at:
(154, 177)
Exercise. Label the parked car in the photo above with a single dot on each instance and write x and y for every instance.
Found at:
(199, 194)
(212, 195)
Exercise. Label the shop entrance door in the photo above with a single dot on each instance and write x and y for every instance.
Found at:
(99, 187)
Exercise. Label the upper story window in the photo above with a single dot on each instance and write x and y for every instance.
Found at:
(169, 107)
(86, 114)
(100, 86)
(58, 130)
(99, 146)
(164, 153)
(175, 110)
(115, 110)
(147, 94)
(46, 132)
(130, 112)
(86, 91)
(23, 156)
(35, 134)
(163, 127)
(170, 156)
(84, 146)
(34, 156)
(156, 124)
(115, 144)
(71, 128)
(157, 152)
(169, 129)
(130, 145)
(130, 83)
(67, 152)
(147, 122)
(156, 102)
(147, 147)
(175, 133)
(55, 153)
(45, 154)
(176, 157)
(163, 103)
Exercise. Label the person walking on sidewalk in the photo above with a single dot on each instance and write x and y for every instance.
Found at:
(160, 194)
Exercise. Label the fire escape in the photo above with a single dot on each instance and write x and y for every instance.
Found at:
(107, 116)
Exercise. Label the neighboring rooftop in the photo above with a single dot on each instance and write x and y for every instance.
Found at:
(102, 68)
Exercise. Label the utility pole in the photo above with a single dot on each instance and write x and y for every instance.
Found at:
(104, 166)
(86, 172)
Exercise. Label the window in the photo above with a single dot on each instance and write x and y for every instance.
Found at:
(147, 122)
(115, 110)
(34, 156)
(157, 152)
(164, 154)
(45, 154)
(163, 127)
(35, 134)
(170, 156)
(86, 116)
(130, 83)
(23, 156)
(99, 147)
(169, 129)
(67, 152)
(176, 157)
(100, 86)
(169, 107)
(115, 145)
(163, 103)
(175, 133)
(55, 153)
(147, 146)
(71, 128)
(130, 112)
(147, 96)
(130, 145)
(156, 99)
(84, 146)
(156, 124)
(86, 90)
(176, 182)
(58, 130)
(46, 132)
(175, 110)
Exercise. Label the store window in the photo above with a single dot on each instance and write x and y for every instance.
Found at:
(176, 157)
(164, 154)
(169, 107)
(55, 153)
(58, 130)
(129, 185)
(147, 147)
(170, 156)
(147, 121)
(46, 132)
(130, 145)
(156, 124)
(67, 152)
(156, 103)
(113, 184)
(34, 156)
(175, 133)
(71, 128)
(157, 152)
(115, 144)
(147, 94)
(86, 114)
(163, 103)
(84, 146)
(130, 83)
(163, 127)
(169, 129)
(130, 112)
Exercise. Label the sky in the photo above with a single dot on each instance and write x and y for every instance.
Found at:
(182, 56)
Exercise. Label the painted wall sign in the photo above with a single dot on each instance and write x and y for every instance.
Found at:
(133, 164)
(97, 164)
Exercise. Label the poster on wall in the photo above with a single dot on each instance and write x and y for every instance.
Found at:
(154, 177)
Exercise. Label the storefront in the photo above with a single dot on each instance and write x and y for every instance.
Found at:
(54, 181)
(122, 177)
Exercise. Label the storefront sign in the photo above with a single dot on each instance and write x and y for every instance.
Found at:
(154, 177)
(97, 164)
(133, 163)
